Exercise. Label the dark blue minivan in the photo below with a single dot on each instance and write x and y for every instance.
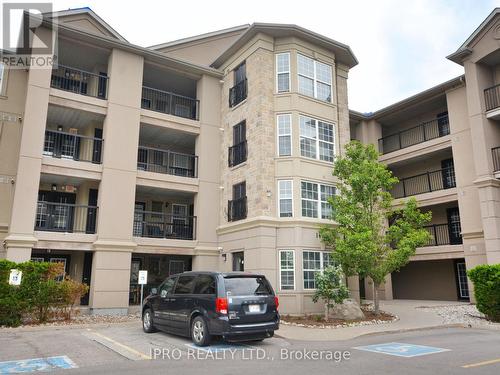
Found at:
(238, 306)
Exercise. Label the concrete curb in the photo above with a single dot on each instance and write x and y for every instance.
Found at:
(46, 327)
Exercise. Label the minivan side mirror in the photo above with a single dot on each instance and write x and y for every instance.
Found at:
(154, 291)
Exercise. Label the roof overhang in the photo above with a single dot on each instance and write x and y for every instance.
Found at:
(343, 52)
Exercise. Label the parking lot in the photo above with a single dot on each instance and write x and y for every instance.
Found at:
(124, 349)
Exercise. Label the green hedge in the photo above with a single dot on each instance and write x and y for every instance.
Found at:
(486, 279)
(40, 297)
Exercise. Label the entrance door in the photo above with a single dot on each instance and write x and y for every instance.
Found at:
(101, 93)
(448, 174)
(239, 261)
(454, 228)
(97, 146)
(55, 211)
(91, 211)
(134, 296)
(86, 276)
(463, 286)
(139, 217)
(443, 124)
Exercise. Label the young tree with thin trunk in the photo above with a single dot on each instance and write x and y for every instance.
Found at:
(361, 240)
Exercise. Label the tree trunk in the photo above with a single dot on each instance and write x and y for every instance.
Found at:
(376, 310)
(327, 311)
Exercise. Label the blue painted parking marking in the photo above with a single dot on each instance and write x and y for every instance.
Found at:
(218, 347)
(36, 364)
(401, 350)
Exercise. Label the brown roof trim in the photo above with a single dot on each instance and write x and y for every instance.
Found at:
(342, 51)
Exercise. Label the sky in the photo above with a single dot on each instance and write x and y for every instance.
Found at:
(401, 45)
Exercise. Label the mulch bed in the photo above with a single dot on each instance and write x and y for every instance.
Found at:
(318, 321)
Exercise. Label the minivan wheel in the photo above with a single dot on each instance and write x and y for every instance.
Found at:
(147, 321)
(199, 332)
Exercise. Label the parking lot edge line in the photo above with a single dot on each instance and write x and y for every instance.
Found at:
(490, 362)
(132, 350)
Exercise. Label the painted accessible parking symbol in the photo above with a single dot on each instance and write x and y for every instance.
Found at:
(402, 350)
(36, 364)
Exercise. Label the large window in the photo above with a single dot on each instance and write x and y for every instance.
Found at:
(287, 270)
(283, 72)
(312, 263)
(285, 188)
(237, 153)
(317, 139)
(284, 134)
(314, 199)
(315, 78)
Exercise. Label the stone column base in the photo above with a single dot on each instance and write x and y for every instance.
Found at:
(18, 247)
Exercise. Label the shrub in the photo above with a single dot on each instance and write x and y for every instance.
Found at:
(330, 287)
(40, 297)
(486, 279)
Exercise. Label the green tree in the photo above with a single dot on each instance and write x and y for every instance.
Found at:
(330, 287)
(362, 244)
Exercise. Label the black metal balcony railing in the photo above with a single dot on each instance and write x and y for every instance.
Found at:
(492, 97)
(238, 93)
(495, 153)
(169, 103)
(159, 225)
(168, 162)
(418, 134)
(444, 234)
(80, 81)
(63, 217)
(237, 209)
(65, 145)
(425, 183)
(237, 154)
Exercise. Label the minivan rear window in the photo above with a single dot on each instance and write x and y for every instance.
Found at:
(247, 286)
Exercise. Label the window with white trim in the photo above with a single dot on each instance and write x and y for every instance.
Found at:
(314, 199)
(3, 74)
(312, 263)
(285, 191)
(315, 78)
(284, 134)
(287, 270)
(283, 72)
(317, 139)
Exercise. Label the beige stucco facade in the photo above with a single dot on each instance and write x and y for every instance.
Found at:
(123, 158)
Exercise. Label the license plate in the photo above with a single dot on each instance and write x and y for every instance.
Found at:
(253, 308)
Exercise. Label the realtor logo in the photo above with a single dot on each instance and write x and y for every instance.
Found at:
(22, 45)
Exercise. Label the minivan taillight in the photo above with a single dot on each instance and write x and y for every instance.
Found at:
(276, 302)
(221, 305)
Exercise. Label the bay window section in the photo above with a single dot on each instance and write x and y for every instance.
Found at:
(284, 134)
(315, 78)
(317, 139)
(312, 263)
(314, 199)
(285, 191)
(287, 270)
(283, 72)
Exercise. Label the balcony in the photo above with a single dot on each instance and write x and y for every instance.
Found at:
(424, 183)
(237, 154)
(444, 234)
(169, 103)
(237, 209)
(168, 162)
(238, 93)
(495, 153)
(426, 131)
(153, 224)
(79, 81)
(65, 145)
(492, 97)
(64, 217)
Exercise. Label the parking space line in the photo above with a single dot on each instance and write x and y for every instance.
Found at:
(120, 345)
(484, 363)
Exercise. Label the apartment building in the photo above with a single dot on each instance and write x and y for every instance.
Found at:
(442, 144)
(211, 152)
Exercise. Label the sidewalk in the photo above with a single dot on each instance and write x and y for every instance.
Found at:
(410, 318)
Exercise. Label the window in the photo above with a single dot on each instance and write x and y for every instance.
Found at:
(3, 76)
(157, 207)
(240, 73)
(238, 92)
(312, 263)
(175, 266)
(237, 207)
(167, 286)
(285, 190)
(287, 270)
(316, 139)
(315, 78)
(238, 152)
(247, 286)
(283, 72)
(315, 199)
(284, 134)
(184, 285)
(205, 284)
